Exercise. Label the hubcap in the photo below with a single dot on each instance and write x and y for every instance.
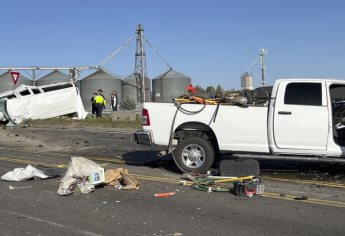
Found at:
(193, 156)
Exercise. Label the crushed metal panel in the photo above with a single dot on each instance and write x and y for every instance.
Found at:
(46, 102)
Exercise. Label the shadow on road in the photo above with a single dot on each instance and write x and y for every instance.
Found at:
(287, 168)
(150, 159)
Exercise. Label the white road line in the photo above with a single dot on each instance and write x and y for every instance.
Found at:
(50, 223)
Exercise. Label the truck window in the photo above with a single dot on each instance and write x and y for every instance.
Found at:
(10, 96)
(309, 94)
(25, 92)
(56, 87)
(36, 91)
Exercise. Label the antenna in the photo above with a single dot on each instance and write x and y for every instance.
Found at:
(140, 65)
(262, 63)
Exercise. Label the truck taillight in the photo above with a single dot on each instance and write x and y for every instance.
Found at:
(145, 117)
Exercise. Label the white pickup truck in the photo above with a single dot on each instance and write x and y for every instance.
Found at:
(302, 120)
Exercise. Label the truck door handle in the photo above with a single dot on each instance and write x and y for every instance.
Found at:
(284, 112)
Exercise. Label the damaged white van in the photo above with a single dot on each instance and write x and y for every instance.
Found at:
(40, 102)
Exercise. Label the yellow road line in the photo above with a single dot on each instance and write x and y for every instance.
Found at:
(308, 200)
(335, 185)
(67, 155)
(176, 181)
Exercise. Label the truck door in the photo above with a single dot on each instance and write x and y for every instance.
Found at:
(301, 116)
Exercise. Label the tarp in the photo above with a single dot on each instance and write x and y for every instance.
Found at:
(20, 174)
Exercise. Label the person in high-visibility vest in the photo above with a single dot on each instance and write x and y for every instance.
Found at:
(100, 103)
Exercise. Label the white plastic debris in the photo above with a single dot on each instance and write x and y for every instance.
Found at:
(21, 174)
(79, 169)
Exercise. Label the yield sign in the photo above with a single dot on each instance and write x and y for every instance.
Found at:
(15, 76)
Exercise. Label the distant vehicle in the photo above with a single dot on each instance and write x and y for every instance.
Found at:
(304, 119)
(40, 102)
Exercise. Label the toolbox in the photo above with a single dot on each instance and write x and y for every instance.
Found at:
(248, 188)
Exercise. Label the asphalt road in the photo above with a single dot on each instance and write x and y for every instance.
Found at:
(34, 208)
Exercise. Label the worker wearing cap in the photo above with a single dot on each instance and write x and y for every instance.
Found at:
(100, 103)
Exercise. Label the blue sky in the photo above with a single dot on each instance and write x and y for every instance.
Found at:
(211, 41)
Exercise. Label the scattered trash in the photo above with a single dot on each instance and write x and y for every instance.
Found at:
(121, 179)
(11, 187)
(243, 186)
(21, 174)
(164, 194)
(82, 174)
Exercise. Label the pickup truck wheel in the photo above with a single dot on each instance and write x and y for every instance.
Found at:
(194, 154)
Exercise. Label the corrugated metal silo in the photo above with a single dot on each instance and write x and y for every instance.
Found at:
(169, 85)
(246, 81)
(129, 90)
(6, 82)
(54, 77)
(100, 80)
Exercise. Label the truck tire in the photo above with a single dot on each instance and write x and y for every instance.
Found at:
(194, 154)
(239, 167)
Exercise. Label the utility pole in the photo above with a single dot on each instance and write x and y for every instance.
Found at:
(262, 63)
(140, 65)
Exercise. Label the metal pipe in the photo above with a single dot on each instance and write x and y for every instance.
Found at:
(142, 65)
(262, 62)
(48, 68)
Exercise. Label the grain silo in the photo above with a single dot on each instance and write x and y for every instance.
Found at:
(169, 85)
(129, 88)
(6, 82)
(247, 81)
(100, 80)
(53, 77)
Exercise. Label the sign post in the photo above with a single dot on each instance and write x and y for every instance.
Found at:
(14, 76)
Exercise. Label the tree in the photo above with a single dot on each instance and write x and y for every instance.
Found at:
(210, 90)
(200, 89)
(219, 91)
(127, 104)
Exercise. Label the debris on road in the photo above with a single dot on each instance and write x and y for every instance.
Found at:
(241, 186)
(301, 198)
(11, 187)
(164, 194)
(82, 175)
(239, 167)
(21, 174)
(121, 179)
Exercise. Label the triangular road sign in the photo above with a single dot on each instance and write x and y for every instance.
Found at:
(15, 76)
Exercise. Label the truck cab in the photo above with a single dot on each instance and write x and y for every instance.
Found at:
(305, 117)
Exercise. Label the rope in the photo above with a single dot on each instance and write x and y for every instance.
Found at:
(155, 50)
(108, 58)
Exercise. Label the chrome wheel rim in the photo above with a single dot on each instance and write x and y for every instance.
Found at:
(193, 156)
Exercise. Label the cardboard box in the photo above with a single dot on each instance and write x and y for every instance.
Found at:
(97, 177)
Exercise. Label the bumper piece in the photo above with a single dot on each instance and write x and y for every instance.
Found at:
(143, 137)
